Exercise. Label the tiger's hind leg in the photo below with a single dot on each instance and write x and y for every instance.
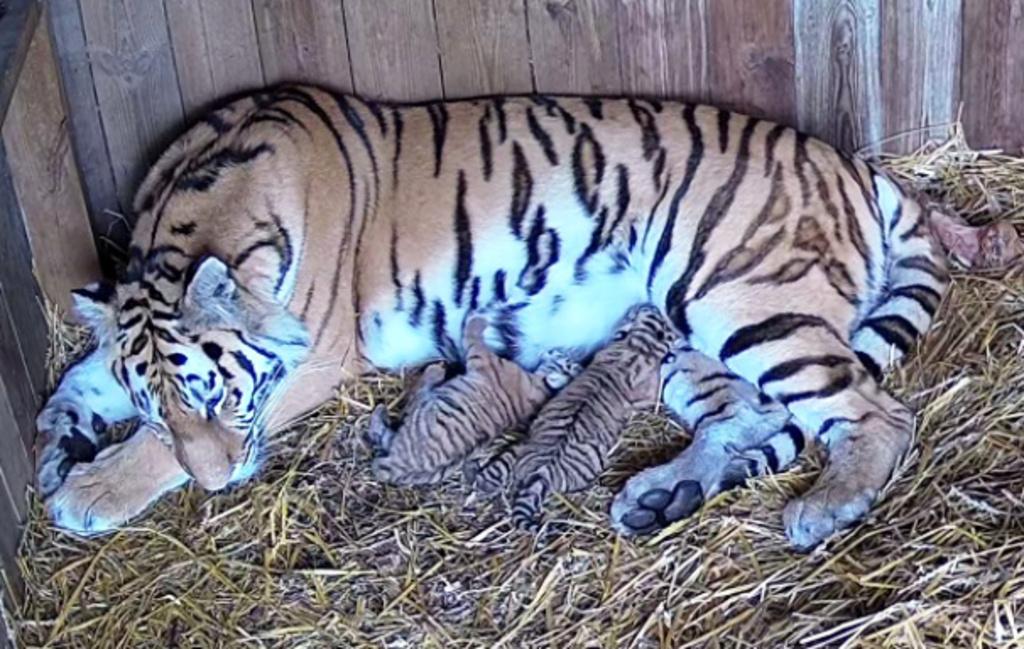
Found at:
(738, 433)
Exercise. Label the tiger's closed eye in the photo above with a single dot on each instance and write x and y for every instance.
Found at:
(669, 358)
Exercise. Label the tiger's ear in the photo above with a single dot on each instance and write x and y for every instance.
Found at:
(93, 307)
(211, 293)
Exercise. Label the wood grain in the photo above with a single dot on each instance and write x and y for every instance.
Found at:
(667, 46)
(751, 57)
(11, 583)
(46, 178)
(20, 18)
(484, 48)
(920, 62)
(394, 49)
(136, 85)
(15, 463)
(992, 74)
(216, 52)
(575, 46)
(837, 76)
(87, 137)
(23, 346)
(303, 40)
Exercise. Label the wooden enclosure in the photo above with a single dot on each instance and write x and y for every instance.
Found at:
(855, 72)
(107, 84)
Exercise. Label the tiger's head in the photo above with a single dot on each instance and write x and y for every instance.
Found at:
(200, 356)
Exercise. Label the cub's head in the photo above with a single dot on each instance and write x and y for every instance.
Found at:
(198, 354)
(644, 332)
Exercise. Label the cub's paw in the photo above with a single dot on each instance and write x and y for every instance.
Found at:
(558, 367)
(817, 515)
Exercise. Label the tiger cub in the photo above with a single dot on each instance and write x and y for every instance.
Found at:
(568, 444)
(446, 420)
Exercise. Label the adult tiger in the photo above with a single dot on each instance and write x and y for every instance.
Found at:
(296, 232)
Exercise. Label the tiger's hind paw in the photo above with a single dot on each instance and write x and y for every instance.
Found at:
(814, 517)
(643, 507)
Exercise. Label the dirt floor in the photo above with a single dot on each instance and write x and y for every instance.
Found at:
(315, 553)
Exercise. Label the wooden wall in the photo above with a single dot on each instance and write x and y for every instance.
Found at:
(854, 72)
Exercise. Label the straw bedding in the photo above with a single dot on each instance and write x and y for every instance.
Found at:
(315, 553)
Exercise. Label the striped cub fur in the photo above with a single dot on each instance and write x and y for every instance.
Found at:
(446, 420)
(569, 442)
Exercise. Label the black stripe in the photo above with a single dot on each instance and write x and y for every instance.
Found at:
(588, 195)
(776, 327)
(927, 297)
(542, 137)
(770, 142)
(474, 296)
(593, 246)
(442, 341)
(836, 386)
(499, 109)
(184, 229)
(800, 159)
(771, 457)
(463, 240)
(356, 122)
(595, 107)
(707, 394)
(708, 415)
(723, 129)
(796, 436)
(788, 368)
(871, 366)
(439, 121)
(522, 188)
(396, 117)
(419, 301)
(894, 329)
(692, 162)
(727, 376)
(713, 214)
(214, 121)
(622, 197)
(498, 287)
(394, 267)
(855, 230)
(925, 265)
(486, 150)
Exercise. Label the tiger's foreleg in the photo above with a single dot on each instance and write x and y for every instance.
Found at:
(73, 425)
(119, 484)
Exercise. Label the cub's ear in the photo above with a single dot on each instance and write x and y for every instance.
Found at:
(211, 293)
(93, 306)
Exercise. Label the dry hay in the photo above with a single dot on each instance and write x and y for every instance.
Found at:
(315, 553)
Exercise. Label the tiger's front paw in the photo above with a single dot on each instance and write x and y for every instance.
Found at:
(825, 510)
(121, 483)
(64, 441)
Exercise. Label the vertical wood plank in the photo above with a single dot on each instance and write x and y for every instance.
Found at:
(46, 178)
(216, 52)
(666, 48)
(394, 49)
(484, 48)
(22, 390)
(303, 40)
(837, 77)
(992, 73)
(751, 57)
(920, 60)
(136, 84)
(87, 136)
(24, 350)
(575, 46)
(11, 582)
(15, 466)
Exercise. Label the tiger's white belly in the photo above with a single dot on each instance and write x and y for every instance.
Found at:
(564, 314)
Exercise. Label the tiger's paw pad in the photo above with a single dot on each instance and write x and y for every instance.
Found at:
(643, 508)
(814, 517)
